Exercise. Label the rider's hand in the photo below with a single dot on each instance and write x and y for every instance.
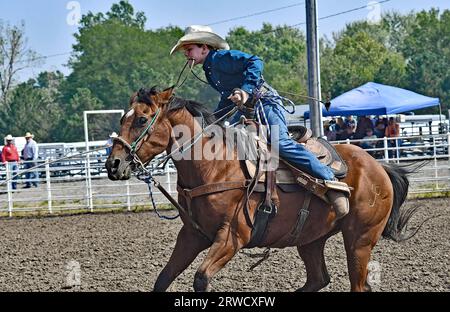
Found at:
(238, 97)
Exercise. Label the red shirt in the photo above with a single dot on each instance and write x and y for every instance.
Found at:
(9, 153)
(392, 130)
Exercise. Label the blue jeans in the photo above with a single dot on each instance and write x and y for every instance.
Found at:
(12, 167)
(31, 177)
(289, 150)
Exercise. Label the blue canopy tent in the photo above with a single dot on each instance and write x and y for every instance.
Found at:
(376, 99)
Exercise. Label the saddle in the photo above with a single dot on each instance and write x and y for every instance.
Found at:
(287, 175)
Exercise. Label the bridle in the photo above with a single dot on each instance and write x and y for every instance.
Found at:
(137, 144)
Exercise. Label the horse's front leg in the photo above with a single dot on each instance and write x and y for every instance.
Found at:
(189, 244)
(225, 246)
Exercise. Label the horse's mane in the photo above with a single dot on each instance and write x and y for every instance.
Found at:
(195, 108)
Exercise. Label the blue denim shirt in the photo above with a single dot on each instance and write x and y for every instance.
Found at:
(229, 69)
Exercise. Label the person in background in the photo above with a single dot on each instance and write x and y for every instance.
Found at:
(348, 133)
(379, 129)
(350, 122)
(369, 136)
(363, 124)
(339, 128)
(110, 142)
(392, 131)
(10, 157)
(328, 132)
(30, 156)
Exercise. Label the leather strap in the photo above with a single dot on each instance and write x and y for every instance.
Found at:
(301, 219)
(212, 188)
(180, 208)
(264, 212)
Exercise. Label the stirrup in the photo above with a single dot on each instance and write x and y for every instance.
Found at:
(338, 186)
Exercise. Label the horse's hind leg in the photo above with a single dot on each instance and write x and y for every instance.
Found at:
(358, 247)
(316, 271)
(189, 245)
(225, 246)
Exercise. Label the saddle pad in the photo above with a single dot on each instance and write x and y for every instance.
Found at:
(283, 174)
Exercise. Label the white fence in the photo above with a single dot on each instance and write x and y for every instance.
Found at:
(65, 186)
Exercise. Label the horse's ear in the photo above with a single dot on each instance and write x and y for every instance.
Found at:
(133, 98)
(165, 95)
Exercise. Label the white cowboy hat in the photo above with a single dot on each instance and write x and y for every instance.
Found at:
(113, 135)
(9, 137)
(29, 135)
(203, 35)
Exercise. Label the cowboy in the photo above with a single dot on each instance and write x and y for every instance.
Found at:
(237, 76)
(30, 156)
(10, 157)
(110, 142)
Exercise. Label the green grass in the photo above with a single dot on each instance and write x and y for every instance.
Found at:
(431, 194)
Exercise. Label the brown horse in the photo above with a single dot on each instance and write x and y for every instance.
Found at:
(378, 192)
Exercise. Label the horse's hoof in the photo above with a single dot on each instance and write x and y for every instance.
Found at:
(201, 282)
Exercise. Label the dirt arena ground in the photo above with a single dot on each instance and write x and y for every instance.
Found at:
(126, 252)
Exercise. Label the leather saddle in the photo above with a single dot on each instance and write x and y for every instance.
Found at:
(285, 178)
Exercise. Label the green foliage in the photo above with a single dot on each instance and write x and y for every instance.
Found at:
(427, 48)
(32, 108)
(71, 126)
(356, 59)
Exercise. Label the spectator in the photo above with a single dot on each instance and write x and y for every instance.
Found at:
(380, 129)
(330, 134)
(364, 123)
(110, 142)
(339, 128)
(369, 136)
(392, 131)
(30, 156)
(347, 134)
(350, 122)
(10, 157)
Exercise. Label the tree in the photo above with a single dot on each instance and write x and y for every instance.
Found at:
(71, 125)
(32, 108)
(14, 57)
(426, 48)
(114, 57)
(357, 59)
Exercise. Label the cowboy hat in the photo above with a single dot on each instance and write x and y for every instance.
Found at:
(113, 135)
(9, 137)
(203, 35)
(29, 135)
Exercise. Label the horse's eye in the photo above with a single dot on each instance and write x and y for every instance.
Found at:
(142, 121)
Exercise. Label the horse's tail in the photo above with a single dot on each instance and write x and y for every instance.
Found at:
(395, 228)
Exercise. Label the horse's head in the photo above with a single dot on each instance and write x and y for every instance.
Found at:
(145, 132)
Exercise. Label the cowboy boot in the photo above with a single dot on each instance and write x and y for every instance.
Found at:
(338, 197)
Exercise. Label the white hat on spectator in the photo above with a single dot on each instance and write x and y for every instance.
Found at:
(9, 137)
(113, 135)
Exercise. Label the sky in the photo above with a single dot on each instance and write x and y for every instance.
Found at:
(50, 24)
